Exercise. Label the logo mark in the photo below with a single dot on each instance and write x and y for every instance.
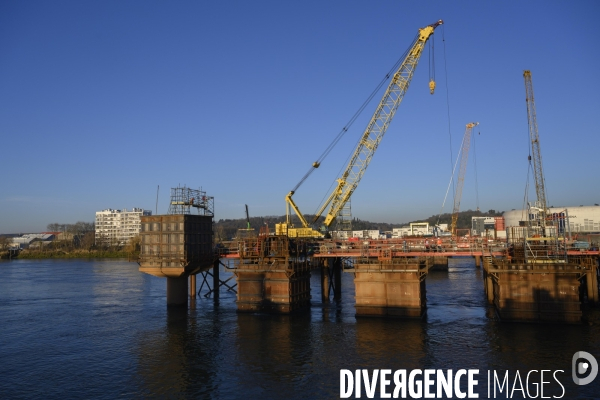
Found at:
(581, 368)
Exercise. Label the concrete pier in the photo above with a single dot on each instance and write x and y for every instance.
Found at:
(440, 263)
(177, 292)
(539, 292)
(273, 275)
(273, 291)
(394, 289)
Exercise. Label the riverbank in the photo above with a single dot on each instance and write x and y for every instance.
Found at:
(55, 254)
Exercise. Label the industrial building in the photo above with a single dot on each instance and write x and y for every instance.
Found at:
(481, 225)
(116, 227)
(29, 240)
(582, 219)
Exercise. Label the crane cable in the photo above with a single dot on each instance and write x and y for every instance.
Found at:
(335, 141)
(451, 179)
(449, 130)
(345, 163)
(526, 195)
(432, 59)
(475, 163)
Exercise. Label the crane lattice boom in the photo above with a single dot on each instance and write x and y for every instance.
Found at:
(376, 128)
(536, 153)
(466, 144)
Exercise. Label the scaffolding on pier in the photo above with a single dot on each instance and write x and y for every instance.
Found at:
(184, 200)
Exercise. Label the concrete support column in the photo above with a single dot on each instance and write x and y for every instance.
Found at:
(325, 281)
(440, 263)
(193, 286)
(489, 288)
(478, 261)
(177, 292)
(592, 286)
(216, 280)
(337, 279)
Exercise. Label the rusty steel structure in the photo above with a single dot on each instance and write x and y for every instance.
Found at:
(273, 274)
(179, 245)
(541, 278)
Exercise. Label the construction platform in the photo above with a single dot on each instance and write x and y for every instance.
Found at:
(273, 273)
(390, 276)
(541, 280)
(528, 283)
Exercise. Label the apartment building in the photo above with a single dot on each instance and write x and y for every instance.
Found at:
(116, 227)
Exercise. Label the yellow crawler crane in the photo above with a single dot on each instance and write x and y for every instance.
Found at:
(466, 144)
(369, 142)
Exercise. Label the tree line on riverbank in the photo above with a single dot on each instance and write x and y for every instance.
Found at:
(72, 241)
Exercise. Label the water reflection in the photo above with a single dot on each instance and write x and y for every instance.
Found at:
(100, 330)
(276, 347)
(390, 343)
(179, 359)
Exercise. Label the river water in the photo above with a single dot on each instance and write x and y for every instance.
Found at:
(101, 330)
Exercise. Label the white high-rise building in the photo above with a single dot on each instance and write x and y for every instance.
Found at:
(116, 227)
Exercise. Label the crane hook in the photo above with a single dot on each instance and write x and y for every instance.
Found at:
(431, 86)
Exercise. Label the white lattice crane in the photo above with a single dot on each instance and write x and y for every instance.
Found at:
(466, 144)
(536, 153)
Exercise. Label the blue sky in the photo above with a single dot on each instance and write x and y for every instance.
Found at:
(101, 102)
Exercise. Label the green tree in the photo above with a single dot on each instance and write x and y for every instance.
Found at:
(5, 242)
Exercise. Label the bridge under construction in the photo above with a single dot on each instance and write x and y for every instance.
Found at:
(537, 273)
(534, 281)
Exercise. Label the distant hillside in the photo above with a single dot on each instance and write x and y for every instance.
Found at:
(464, 218)
(226, 229)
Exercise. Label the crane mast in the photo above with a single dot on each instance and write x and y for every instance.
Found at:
(374, 132)
(247, 217)
(466, 144)
(536, 154)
